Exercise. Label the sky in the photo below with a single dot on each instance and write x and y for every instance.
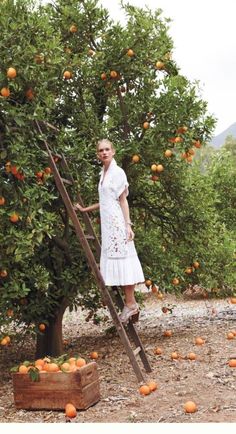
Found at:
(205, 47)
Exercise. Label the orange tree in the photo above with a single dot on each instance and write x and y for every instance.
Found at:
(70, 66)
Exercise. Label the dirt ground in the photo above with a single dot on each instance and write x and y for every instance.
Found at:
(208, 381)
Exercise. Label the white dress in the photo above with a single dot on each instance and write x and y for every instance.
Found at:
(119, 263)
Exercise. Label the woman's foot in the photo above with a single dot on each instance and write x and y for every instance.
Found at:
(129, 312)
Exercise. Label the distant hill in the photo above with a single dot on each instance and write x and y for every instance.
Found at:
(219, 140)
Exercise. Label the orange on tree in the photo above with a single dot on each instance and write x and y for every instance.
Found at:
(14, 217)
(197, 144)
(196, 264)
(5, 92)
(154, 178)
(168, 153)
(130, 52)
(146, 125)
(154, 167)
(29, 94)
(2, 200)
(175, 281)
(3, 273)
(136, 158)
(67, 75)
(42, 327)
(73, 28)
(48, 170)
(188, 270)
(103, 76)
(10, 313)
(11, 73)
(159, 168)
(70, 410)
(159, 65)
(178, 139)
(148, 282)
(113, 74)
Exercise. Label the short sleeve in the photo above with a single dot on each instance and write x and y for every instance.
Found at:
(120, 183)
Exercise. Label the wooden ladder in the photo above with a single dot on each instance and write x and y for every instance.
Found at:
(84, 239)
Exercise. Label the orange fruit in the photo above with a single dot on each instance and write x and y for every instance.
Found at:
(154, 178)
(42, 327)
(159, 65)
(146, 125)
(154, 289)
(136, 158)
(103, 76)
(130, 52)
(178, 139)
(80, 362)
(2, 200)
(234, 332)
(168, 153)
(175, 281)
(167, 333)
(199, 341)
(230, 335)
(14, 217)
(3, 273)
(4, 342)
(5, 92)
(52, 367)
(10, 313)
(191, 356)
(65, 366)
(196, 264)
(154, 167)
(23, 369)
(48, 170)
(70, 410)
(144, 390)
(158, 351)
(160, 168)
(188, 270)
(197, 143)
(11, 73)
(113, 74)
(160, 296)
(190, 407)
(232, 363)
(233, 300)
(29, 94)
(8, 339)
(152, 385)
(94, 355)
(72, 360)
(67, 75)
(39, 362)
(174, 355)
(148, 282)
(73, 28)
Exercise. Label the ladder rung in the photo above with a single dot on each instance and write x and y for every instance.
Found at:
(67, 181)
(137, 351)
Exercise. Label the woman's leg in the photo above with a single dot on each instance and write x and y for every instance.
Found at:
(129, 295)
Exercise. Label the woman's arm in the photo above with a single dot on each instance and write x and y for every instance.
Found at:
(125, 209)
(78, 207)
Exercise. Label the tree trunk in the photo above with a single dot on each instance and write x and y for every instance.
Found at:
(51, 342)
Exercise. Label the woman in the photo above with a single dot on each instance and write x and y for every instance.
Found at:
(119, 263)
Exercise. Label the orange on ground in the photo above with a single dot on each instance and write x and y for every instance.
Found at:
(191, 356)
(232, 363)
(11, 73)
(234, 332)
(70, 410)
(158, 351)
(197, 144)
(154, 289)
(80, 362)
(152, 385)
(5, 92)
(23, 369)
(148, 282)
(230, 335)
(2, 200)
(174, 355)
(199, 341)
(190, 407)
(94, 355)
(144, 390)
(167, 333)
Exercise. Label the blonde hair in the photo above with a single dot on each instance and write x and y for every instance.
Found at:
(106, 142)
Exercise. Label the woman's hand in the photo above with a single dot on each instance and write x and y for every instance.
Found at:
(130, 233)
(78, 207)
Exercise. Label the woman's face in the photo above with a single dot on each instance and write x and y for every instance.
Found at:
(105, 152)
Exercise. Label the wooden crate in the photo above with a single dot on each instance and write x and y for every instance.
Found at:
(55, 390)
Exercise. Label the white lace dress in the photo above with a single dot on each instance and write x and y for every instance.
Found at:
(119, 263)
